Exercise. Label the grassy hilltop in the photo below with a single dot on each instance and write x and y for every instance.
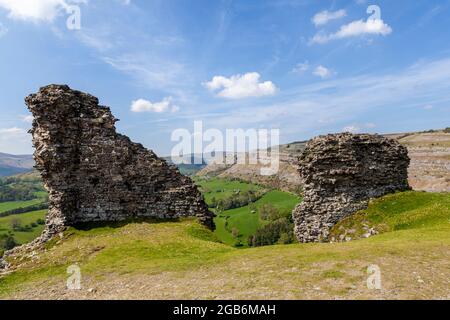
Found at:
(183, 260)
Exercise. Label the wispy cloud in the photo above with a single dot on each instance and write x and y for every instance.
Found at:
(27, 118)
(326, 16)
(301, 67)
(3, 30)
(151, 71)
(322, 72)
(15, 140)
(355, 29)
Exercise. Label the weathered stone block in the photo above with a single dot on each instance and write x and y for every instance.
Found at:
(94, 174)
(341, 173)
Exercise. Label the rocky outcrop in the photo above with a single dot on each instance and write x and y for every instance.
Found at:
(93, 173)
(341, 173)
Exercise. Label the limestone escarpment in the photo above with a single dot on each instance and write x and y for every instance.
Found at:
(341, 172)
(93, 173)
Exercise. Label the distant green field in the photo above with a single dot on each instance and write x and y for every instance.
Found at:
(24, 218)
(223, 188)
(6, 206)
(245, 219)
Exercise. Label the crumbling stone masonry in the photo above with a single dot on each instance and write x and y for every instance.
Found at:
(341, 173)
(94, 174)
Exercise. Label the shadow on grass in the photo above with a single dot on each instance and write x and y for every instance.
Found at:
(87, 226)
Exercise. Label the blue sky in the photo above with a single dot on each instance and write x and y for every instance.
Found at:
(306, 67)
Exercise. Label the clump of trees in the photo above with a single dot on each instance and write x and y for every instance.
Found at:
(16, 225)
(238, 200)
(16, 193)
(16, 189)
(278, 230)
(7, 242)
(35, 207)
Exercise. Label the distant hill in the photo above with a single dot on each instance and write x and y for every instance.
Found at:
(197, 164)
(429, 170)
(12, 164)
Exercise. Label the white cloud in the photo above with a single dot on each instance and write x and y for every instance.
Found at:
(355, 29)
(142, 105)
(348, 101)
(36, 10)
(301, 67)
(241, 86)
(428, 107)
(322, 72)
(324, 17)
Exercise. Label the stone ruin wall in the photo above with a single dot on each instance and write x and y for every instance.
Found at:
(94, 174)
(342, 172)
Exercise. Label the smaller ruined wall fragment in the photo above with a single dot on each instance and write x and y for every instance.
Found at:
(93, 173)
(341, 173)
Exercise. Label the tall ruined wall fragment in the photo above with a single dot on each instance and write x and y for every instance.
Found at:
(341, 173)
(94, 174)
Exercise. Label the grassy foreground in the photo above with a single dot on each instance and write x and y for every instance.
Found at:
(182, 260)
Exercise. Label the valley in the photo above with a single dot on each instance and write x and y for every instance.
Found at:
(183, 260)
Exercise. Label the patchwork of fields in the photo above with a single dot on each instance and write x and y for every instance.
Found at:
(22, 215)
(245, 220)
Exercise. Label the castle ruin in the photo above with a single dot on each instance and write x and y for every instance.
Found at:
(341, 173)
(94, 174)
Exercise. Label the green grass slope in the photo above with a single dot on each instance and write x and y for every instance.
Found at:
(399, 211)
(183, 260)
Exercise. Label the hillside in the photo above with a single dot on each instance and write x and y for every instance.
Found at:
(429, 171)
(287, 178)
(182, 260)
(13, 164)
(243, 218)
(430, 160)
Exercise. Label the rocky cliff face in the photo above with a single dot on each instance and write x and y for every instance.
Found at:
(430, 160)
(286, 178)
(94, 174)
(341, 173)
